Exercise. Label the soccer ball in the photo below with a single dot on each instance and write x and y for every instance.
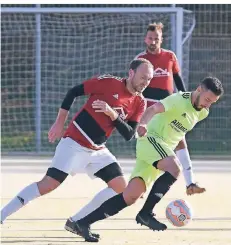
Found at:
(179, 213)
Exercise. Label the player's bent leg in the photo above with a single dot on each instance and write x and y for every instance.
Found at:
(118, 184)
(111, 174)
(171, 168)
(67, 153)
(153, 152)
(171, 165)
(135, 189)
(31, 192)
(22, 198)
(109, 207)
(53, 178)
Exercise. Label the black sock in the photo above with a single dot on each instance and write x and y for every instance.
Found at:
(159, 189)
(109, 208)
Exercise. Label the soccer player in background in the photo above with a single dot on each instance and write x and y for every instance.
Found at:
(114, 103)
(167, 69)
(161, 128)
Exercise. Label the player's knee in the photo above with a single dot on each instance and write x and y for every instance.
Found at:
(47, 184)
(53, 178)
(118, 184)
(174, 169)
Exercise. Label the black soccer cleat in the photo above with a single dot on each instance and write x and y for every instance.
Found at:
(81, 230)
(69, 226)
(149, 221)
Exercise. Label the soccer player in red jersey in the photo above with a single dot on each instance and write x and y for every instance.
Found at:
(166, 70)
(114, 103)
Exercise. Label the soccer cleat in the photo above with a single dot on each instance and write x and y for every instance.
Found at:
(69, 226)
(81, 230)
(149, 221)
(194, 188)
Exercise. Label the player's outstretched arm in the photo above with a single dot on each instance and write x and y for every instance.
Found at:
(147, 116)
(56, 130)
(150, 112)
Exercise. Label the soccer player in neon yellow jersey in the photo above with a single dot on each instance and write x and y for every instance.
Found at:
(161, 128)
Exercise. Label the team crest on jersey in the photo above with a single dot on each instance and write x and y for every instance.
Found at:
(121, 112)
(159, 72)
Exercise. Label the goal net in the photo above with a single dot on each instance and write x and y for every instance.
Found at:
(74, 47)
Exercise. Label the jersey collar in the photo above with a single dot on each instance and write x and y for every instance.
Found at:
(147, 52)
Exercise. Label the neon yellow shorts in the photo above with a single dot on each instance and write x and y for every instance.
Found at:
(148, 151)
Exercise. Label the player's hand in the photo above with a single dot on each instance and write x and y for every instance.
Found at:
(194, 189)
(142, 130)
(102, 106)
(55, 132)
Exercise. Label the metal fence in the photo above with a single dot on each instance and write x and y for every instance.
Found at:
(27, 96)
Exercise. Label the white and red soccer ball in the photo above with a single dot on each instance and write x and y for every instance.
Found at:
(179, 213)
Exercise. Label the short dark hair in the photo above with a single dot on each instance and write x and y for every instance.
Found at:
(137, 62)
(155, 27)
(213, 84)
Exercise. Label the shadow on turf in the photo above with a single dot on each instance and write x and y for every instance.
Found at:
(169, 229)
(35, 241)
(38, 239)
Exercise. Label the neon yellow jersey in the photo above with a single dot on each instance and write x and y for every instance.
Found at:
(179, 118)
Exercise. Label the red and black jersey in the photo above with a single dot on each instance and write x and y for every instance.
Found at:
(92, 129)
(165, 65)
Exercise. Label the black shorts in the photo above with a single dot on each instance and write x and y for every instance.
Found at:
(109, 172)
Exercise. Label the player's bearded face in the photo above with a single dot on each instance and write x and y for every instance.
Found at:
(153, 40)
(205, 99)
